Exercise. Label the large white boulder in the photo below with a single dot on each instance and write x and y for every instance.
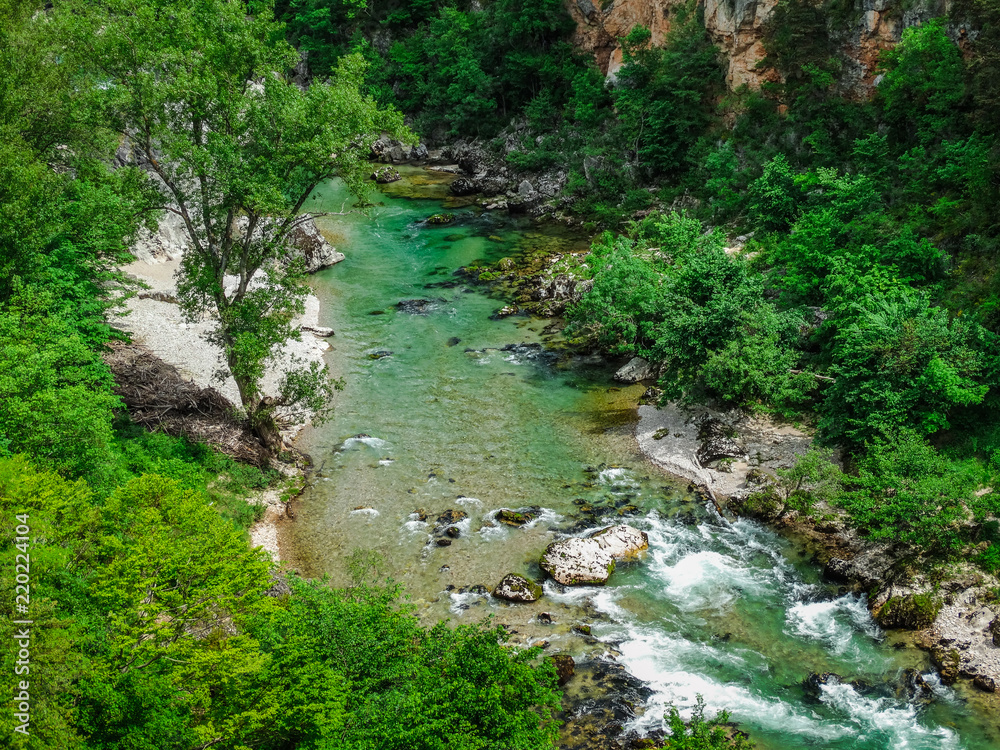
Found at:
(592, 560)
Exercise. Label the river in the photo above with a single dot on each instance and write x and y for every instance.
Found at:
(438, 415)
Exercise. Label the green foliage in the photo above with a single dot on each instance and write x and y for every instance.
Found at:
(55, 393)
(906, 491)
(923, 88)
(775, 197)
(151, 631)
(898, 363)
(698, 313)
(468, 73)
(699, 733)
(359, 672)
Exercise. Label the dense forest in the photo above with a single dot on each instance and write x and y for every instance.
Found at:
(863, 300)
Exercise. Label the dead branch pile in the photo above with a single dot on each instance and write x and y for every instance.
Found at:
(159, 399)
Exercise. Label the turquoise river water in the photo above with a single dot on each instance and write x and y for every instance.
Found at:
(452, 420)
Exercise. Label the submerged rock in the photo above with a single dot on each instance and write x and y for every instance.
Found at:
(515, 588)
(439, 219)
(592, 560)
(418, 306)
(814, 683)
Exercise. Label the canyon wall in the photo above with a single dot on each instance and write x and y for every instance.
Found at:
(738, 28)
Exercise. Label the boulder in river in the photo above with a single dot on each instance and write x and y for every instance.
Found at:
(565, 667)
(515, 588)
(513, 517)
(385, 175)
(438, 219)
(592, 560)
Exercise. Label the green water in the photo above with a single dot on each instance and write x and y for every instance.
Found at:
(731, 612)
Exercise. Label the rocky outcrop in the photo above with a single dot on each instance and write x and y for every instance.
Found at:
(591, 560)
(309, 244)
(557, 293)
(515, 588)
(738, 28)
(634, 370)
(727, 451)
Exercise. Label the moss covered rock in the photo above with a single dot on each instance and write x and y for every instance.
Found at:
(516, 588)
(438, 219)
(909, 612)
(513, 517)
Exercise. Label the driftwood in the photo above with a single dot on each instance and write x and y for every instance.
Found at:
(159, 399)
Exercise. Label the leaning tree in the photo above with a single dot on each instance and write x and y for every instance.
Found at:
(201, 90)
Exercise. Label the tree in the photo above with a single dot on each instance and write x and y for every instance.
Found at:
(898, 363)
(666, 99)
(201, 92)
(699, 733)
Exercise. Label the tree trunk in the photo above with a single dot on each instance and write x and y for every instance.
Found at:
(265, 427)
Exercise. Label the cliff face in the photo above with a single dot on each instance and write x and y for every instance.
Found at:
(738, 28)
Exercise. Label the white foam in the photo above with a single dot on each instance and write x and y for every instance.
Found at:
(371, 442)
(835, 622)
(468, 501)
(883, 719)
(386, 461)
(619, 477)
(365, 512)
(462, 601)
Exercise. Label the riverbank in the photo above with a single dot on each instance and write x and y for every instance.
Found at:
(160, 332)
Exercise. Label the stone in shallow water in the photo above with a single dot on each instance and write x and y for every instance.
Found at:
(564, 665)
(513, 518)
(578, 561)
(515, 588)
(441, 219)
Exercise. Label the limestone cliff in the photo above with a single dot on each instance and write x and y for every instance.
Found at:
(738, 28)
